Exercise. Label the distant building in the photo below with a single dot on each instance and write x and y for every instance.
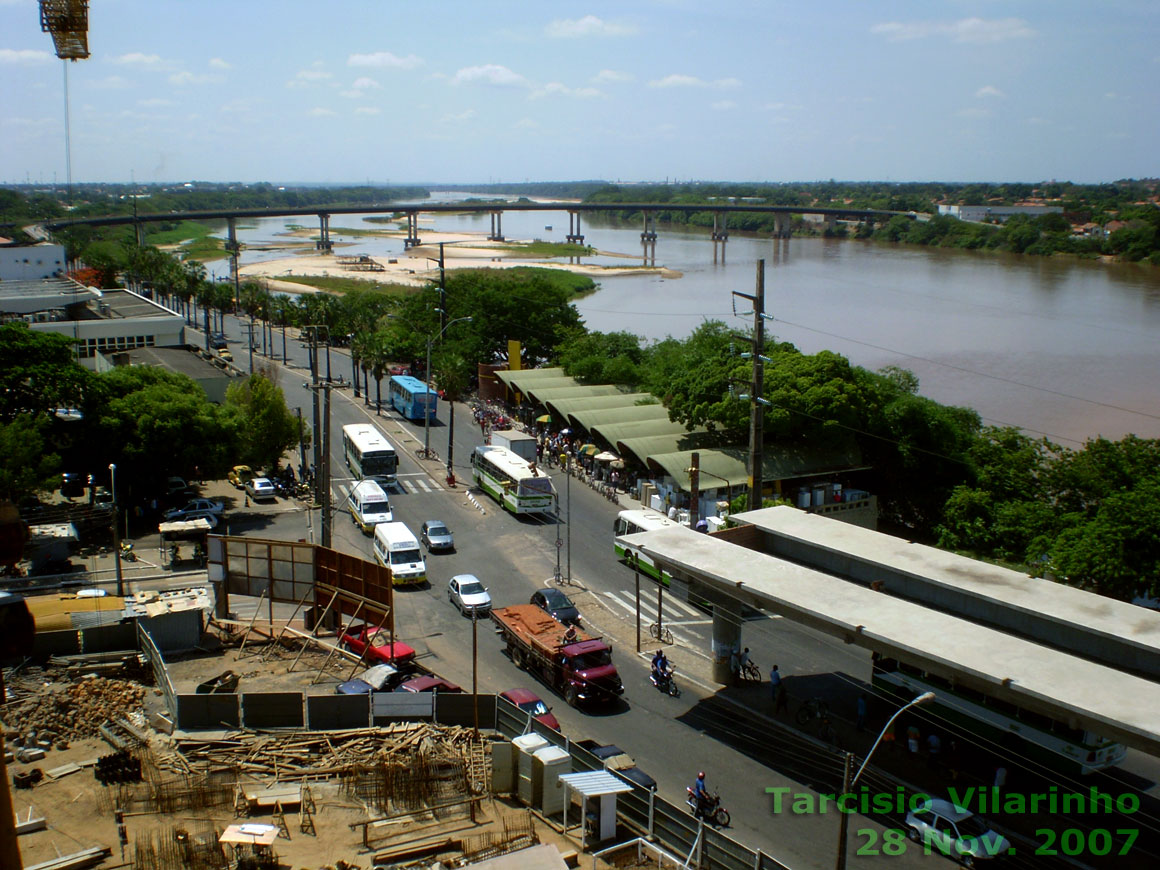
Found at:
(1000, 213)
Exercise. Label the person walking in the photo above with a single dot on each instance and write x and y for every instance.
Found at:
(777, 690)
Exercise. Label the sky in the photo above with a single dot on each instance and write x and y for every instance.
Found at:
(442, 91)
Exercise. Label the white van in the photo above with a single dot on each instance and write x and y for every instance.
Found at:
(397, 548)
(369, 505)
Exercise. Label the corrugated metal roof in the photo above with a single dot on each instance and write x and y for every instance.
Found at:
(731, 463)
(563, 406)
(593, 783)
(590, 417)
(517, 380)
(531, 387)
(613, 433)
(541, 396)
(642, 447)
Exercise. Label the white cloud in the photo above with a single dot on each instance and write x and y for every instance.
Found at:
(677, 80)
(589, 25)
(320, 112)
(155, 103)
(367, 110)
(989, 91)
(978, 31)
(557, 89)
(384, 59)
(188, 78)
(218, 63)
(490, 74)
(24, 56)
(611, 75)
(974, 114)
(724, 105)
(136, 57)
(364, 84)
(313, 75)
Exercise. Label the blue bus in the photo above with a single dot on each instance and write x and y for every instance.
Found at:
(409, 396)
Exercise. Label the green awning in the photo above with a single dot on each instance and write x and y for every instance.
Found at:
(614, 433)
(566, 407)
(520, 378)
(530, 388)
(540, 396)
(642, 447)
(591, 418)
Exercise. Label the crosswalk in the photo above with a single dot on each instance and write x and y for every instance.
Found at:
(420, 483)
(680, 618)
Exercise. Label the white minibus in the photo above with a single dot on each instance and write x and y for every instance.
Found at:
(369, 505)
(397, 548)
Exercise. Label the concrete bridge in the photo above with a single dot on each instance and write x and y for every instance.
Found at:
(411, 211)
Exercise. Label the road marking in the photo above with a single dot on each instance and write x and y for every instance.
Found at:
(648, 613)
(648, 604)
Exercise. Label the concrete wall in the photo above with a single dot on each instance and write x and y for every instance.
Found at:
(31, 262)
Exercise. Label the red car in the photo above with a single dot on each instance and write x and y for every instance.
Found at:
(428, 684)
(530, 702)
(380, 650)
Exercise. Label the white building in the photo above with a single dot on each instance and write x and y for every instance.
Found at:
(1000, 213)
(31, 262)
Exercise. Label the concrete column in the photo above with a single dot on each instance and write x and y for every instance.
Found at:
(324, 243)
(412, 238)
(726, 637)
(139, 232)
(575, 236)
(496, 227)
(720, 234)
(831, 223)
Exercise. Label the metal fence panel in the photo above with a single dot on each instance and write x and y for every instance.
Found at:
(206, 712)
(273, 710)
(336, 712)
(160, 672)
(394, 706)
(458, 709)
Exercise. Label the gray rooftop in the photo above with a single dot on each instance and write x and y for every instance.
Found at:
(1112, 703)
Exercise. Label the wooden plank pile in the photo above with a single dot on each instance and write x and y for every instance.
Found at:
(318, 754)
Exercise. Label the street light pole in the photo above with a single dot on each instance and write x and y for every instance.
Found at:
(426, 414)
(116, 532)
(848, 784)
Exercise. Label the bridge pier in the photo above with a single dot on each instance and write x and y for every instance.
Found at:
(648, 239)
(781, 226)
(496, 227)
(720, 234)
(727, 621)
(412, 238)
(139, 233)
(324, 244)
(829, 224)
(574, 236)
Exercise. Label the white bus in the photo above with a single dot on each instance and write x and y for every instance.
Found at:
(369, 505)
(368, 453)
(519, 486)
(629, 523)
(397, 548)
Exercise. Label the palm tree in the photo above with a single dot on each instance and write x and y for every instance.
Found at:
(283, 310)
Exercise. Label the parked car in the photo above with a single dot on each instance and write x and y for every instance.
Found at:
(436, 536)
(377, 644)
(198, 506)
(240, 475)
(218, 341)
(176, 488)
(467, 593)
(428, 684)
(259, 488)
(956, 832)
(226, 355)
(380, 678)
(530, 702)
(558, 604)
(619, 762)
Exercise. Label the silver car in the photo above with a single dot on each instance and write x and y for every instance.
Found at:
(260, 488)
(955, 832)
(436, 536)
(467, 593)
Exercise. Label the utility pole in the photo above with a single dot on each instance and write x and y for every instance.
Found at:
(314, 385)
(116, 532)
(757, 387)
(322, 461)
(695, 490)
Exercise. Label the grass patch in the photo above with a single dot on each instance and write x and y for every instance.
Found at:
(548, 249)
(576, 286)
(203, 249)
(385, 219)
(184, 231)
(356, 231)
(347, 285)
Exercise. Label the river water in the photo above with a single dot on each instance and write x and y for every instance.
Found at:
(1064, 348)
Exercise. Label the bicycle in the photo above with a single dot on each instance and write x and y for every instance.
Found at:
(750, 671)
(660, 632)
(817, 710)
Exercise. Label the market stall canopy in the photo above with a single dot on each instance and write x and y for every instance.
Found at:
(201, 524)
(588, 450)
(605, 457)
(544, 418)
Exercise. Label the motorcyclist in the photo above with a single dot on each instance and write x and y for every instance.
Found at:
(660, 667)
(700, 792)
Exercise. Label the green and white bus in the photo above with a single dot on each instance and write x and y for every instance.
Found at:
(518, 485)
(369, 454)
(629, 523)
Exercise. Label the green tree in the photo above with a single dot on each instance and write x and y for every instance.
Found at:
(38, 372)
(602, 357)
(26, 464)
(267, 427)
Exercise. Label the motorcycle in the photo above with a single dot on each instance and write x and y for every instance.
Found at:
(665, 682)
(127, 554)
(708, 808)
